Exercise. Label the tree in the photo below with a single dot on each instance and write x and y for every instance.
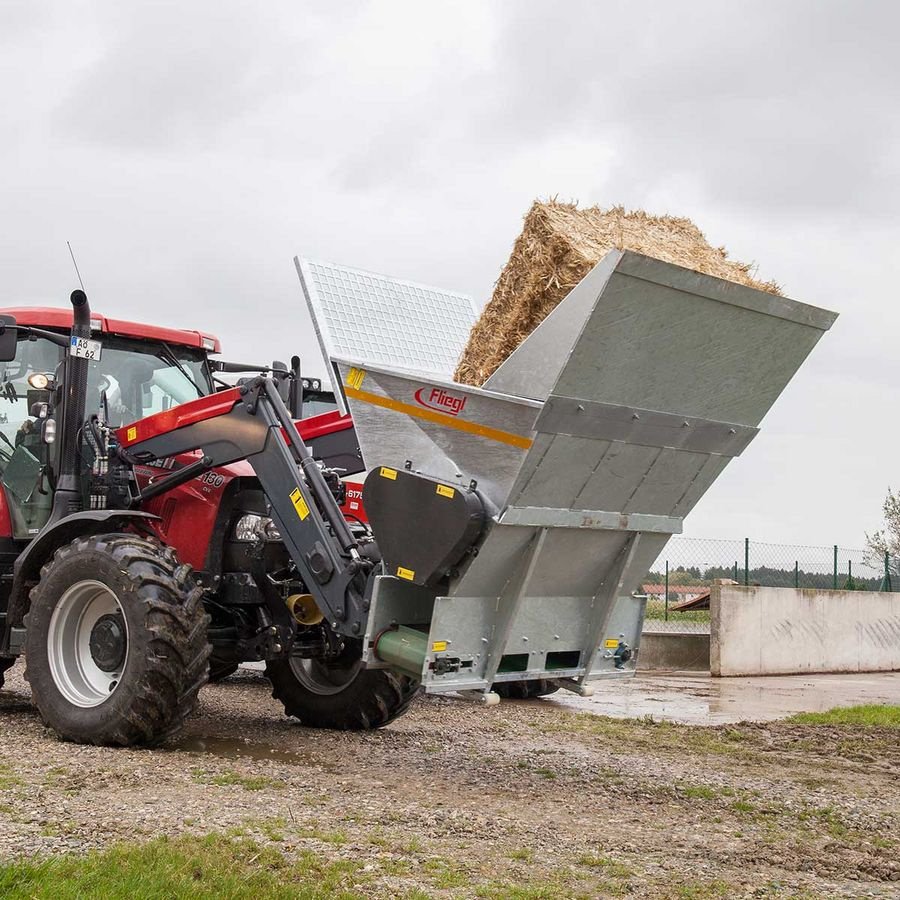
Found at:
(887, 539)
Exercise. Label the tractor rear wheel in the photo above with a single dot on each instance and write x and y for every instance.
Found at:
(340, 694)
(525, 690)
(116, 647)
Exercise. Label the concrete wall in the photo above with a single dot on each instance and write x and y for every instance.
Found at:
(779, 631)
(674, 650)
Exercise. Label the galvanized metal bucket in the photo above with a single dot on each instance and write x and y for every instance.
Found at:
(590, 445)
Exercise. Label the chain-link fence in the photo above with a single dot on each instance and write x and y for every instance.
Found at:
(678, 584)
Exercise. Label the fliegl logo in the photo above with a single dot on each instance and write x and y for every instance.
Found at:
(440, 400)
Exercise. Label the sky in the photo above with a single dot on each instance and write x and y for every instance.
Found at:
(190, 150)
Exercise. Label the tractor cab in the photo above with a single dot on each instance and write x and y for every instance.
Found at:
(133, 371)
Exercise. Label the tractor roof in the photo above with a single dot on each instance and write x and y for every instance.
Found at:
(51, 317)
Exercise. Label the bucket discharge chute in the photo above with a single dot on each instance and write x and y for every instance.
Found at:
(517, 519)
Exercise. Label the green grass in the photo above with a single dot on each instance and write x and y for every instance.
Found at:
(609, 866)
(190, 867)
(227, 779)
(870, 715)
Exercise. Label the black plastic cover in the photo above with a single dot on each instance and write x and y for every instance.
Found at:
(423, 526)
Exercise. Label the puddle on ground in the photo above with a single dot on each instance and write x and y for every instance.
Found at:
(235, 748)
(698, 699)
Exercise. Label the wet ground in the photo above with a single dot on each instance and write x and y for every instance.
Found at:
(696, 698)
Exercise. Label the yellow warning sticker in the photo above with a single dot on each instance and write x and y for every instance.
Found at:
(388, 473)
(408, 574)
(438, 646)
(611, 643)
(355, 378)
(445, 491)
(132, 433)
(299, 503)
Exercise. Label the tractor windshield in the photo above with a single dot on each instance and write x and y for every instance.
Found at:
(142, 378)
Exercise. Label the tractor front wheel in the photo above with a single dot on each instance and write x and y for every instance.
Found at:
(116, 647)
(340, 694)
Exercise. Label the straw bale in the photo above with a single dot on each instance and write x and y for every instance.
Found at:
(559, 244)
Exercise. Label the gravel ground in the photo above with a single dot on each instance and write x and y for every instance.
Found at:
(455, 799)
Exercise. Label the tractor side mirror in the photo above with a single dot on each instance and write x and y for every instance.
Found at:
(7, 338)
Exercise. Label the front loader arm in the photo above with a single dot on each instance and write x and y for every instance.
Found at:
(251, 422)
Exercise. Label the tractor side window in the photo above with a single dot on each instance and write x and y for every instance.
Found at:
(22, 452)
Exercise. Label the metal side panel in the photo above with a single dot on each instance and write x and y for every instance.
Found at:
(663, 338)
(533, 367)
(444, 430)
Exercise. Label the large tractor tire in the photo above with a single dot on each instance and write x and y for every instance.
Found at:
(525, 690)
(343, 694)
(116, 647)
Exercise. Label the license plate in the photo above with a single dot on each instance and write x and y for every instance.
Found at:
(85, 348)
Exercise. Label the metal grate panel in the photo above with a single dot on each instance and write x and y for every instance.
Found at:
(385, 321)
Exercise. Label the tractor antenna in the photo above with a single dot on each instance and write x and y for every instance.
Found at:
(72, 254)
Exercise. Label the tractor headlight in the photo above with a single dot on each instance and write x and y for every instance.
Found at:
(253, 528)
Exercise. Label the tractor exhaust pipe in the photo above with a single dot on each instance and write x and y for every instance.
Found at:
(67, 498)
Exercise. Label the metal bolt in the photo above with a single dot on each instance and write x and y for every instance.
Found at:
(524, 638)
(273, 629)
(355, 628)
(277, 648)
(635, 416)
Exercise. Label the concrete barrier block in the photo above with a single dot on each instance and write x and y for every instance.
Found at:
(760, 631)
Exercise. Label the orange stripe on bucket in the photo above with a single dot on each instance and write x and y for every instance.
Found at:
(417, 412)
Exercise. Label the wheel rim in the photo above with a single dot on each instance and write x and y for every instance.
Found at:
(324, 680)
(84, 628)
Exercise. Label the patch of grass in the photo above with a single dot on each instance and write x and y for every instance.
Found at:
(743, 806)
(545, 773)
(610, 866)
(8, 778)
(228, 779)
(522, 854)
(324, 835)
(446, 873)
(189, 867)
(698, 791)
(871, 715)
(702, 890)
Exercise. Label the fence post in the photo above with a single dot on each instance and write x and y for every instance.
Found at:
(850, 586)
(796, 573)
(886, 584)
(735, 572)
(834, 575)
(667, 591)
(746, 561)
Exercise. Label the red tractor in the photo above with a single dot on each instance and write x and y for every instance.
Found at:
(159, 526)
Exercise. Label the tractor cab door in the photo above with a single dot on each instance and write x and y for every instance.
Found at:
(24, 457)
